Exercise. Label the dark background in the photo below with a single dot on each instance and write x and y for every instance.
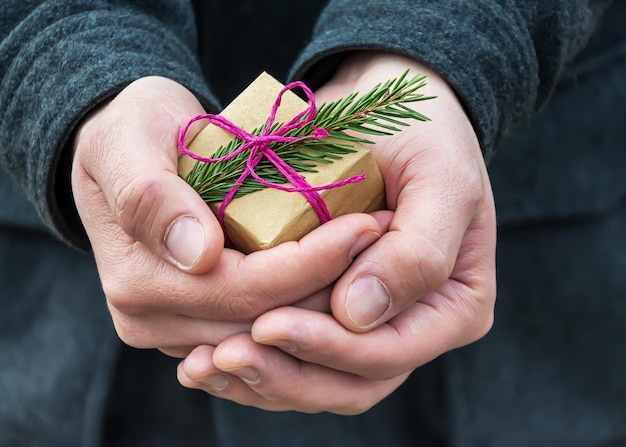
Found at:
(232, 59)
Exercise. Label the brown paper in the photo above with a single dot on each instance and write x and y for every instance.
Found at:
(268, 217)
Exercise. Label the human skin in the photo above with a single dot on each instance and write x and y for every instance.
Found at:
(426, 286)
(251, 335)
(168, 281)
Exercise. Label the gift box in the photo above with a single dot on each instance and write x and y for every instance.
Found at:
(268, 217)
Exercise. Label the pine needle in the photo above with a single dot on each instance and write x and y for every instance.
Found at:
(381, 111)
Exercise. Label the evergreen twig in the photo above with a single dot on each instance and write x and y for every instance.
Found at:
(381, 111)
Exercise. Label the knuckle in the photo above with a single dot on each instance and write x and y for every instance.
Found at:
(230, 306)
(480, 322)
(136, 203)
(114, 293)
(466, 183)
(486, 316)
(92, 139)
(239, 308)
(431, 264)
(474, 190)
(242, 301)
(122, 303)
(124, 294)
(116, 290)
(483, 325)
(132, 332)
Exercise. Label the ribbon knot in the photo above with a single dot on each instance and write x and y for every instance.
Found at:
(258, 147)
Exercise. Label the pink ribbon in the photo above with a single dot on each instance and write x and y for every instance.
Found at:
(259, 147)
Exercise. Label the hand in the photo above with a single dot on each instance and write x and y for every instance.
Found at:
(168, 281)
(425, 287)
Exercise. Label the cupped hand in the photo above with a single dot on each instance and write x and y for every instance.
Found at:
(425, 287)
(168, 281)
(440, 247)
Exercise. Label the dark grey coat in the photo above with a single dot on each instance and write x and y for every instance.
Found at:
(551, 371)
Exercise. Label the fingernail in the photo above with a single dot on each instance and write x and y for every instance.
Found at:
(362, 242)
(247, 374)
(216, 381)
(367, 301)
(184, 241)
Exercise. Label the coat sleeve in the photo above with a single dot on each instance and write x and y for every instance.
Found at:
(503, 57)
(59, 59)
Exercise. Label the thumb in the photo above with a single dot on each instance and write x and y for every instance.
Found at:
(125, 178)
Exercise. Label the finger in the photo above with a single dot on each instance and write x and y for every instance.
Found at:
(384, 219)
(172, 334)
(127, 152)
(276, 381)
(424, 331)
(239, 288)
(178, 335)
(169, 333)
(320, 300)
(379, 354)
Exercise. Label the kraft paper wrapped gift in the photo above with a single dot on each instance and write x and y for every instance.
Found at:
(266, 218)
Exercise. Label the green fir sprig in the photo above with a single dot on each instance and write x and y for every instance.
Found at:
(381, 111)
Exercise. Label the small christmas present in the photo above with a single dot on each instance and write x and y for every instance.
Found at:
(273, 167)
